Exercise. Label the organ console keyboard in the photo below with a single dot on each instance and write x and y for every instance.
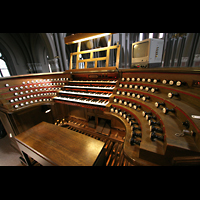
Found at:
(144, 116)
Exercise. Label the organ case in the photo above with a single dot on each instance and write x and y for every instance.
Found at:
(145, 116)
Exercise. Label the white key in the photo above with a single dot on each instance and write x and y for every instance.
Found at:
(85, 94)
(82, 101)
(89, 87)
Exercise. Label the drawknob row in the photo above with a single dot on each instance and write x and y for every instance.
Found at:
(135, 128)
(149, 80)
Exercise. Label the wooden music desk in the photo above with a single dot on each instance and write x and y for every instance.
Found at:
(53, 145)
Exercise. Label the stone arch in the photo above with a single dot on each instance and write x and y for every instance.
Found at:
(49, 43)
(9, 57)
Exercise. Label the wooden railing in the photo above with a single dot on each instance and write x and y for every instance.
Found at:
(95, 60)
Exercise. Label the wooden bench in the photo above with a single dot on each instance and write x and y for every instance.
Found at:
(53, 145)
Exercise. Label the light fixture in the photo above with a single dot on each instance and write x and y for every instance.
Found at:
(160, 35)
(80, 37)
(150, 35)
(47, 111)
(140, 36)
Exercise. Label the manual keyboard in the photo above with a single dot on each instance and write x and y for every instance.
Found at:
(95, 94)
(90, 87)
(96, 102)
(91, 81)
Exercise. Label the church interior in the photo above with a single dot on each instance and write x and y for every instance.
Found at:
(99, 99)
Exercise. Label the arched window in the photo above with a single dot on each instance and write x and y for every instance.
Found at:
(3, 67)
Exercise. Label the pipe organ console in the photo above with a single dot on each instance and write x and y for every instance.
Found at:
(144, 116)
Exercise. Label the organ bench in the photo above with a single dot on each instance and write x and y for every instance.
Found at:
(144, 116)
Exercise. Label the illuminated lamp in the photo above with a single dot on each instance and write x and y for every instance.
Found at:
(80, 37)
